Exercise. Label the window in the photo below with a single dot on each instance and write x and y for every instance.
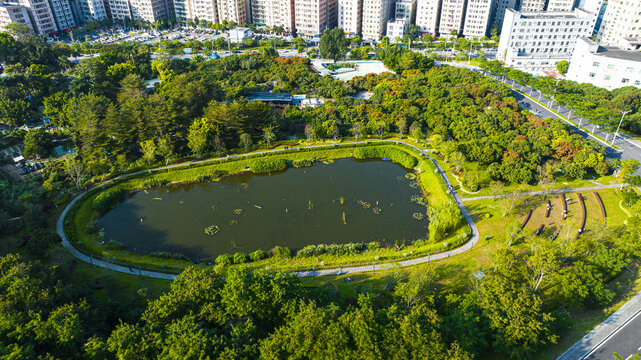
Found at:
(607, 77)
(592, 75)
(629, 69)
(596, 64)
(637, 83)
(625, 81)
(610, 66)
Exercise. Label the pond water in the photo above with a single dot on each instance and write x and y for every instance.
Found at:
(294, 208)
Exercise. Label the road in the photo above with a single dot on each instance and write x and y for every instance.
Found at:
(552, 191)
(626, 342)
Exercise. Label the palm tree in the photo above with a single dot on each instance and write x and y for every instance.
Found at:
(268, 134)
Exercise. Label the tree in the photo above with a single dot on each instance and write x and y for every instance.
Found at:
(198, 134)
(19, 31)
(75, 169)
(310, 132)
(36, 143)
(246, 141)
(269, 135)
(148, 149)
(356, 129)
(41, 240)
(562, 67)
(333, 44)
(300, 44)
(165, 148)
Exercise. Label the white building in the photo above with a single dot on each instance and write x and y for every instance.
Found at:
(92, 10)
(273, 13)
(499, 12)
(120, 9)
(451, 19)
(621, 23)
(427, 15)
(41, 16)
(237, 35)
(397, 28)
(312, 17)
(14, 13)
(560, 5)
(236, 11)
(196, 9)
(350, 15)
(606, 67)
(477, 17)
(149, 10)
(537, 41)
(375, 16)
(405, 9)
(532, 5)
(62, 14)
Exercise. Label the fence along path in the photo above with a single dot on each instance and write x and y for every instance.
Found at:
(474, 236)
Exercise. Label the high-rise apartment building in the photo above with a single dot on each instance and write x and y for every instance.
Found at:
(120, 9)
(350, 16)
(92, 10)
(273, 13)
(13, 13)
(477, 17)
(451, 19)
(405, 10)
(375, 16)
(312, 17)
(62, 14)
(427, 15)
(532, 5)
(621, 23)
(149, 10)
(206, 10)
(499, 11)
(537, 41)
(237, 11)
(41, 16)
(560, 5)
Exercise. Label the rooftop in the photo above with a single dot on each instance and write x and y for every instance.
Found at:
(270, 97)
(578, 14)
(614, 52)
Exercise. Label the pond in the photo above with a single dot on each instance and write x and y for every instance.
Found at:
(341, 202)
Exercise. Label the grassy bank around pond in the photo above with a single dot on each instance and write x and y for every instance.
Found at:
(82, 231)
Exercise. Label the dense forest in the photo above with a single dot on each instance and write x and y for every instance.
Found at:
(199, 109)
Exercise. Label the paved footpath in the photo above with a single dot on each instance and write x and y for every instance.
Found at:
(353, 269)
(552, 191)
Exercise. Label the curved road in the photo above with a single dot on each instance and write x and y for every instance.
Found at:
(354, 269)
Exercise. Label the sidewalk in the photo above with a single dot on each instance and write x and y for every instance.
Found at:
(603, 331)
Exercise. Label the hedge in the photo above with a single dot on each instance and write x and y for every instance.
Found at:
(109, 198)
(268, 165)
(398, 156)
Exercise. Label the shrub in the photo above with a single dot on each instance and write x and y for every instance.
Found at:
(268, 165)
(281, 252)
(224, 259)
(154, 183)
(168, 255)
(302, 163)
(108, 199)
(114, 245)
(333, 249)
(239, 258)
(376, 152)
(40, 241)
(443, 218)
(258, 255)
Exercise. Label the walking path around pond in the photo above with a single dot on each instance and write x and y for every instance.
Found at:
(474, 236)
(552, 191)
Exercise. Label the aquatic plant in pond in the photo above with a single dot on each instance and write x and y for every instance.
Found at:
(212, 230)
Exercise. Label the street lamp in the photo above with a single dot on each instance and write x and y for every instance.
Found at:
(621, 121)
